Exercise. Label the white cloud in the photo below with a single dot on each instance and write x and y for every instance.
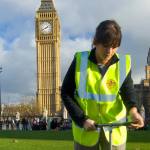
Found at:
(13, 98)
(68, 49)
(2, 52)
(10, 9)
(84, 15)
(19, 67)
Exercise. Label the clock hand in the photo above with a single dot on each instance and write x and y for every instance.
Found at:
(45, 28)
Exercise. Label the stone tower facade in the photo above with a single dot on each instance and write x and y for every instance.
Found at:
(146, 89)
(143, 91)
(47, 31)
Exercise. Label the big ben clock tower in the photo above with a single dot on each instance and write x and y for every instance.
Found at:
(48, 58)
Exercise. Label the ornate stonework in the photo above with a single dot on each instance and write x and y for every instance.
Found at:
(143, 91)
(48, 58)
(47, 5)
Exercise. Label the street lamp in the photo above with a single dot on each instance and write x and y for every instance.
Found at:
(0, 94)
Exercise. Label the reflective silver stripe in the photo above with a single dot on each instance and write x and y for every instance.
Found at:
(122, 63)
(107, 97)
(83, 74)
(82, 83)
(92, 96)
(100, 97)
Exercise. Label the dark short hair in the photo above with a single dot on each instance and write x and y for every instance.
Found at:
(108, 33)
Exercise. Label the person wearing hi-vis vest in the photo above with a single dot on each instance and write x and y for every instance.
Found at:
(98, 89)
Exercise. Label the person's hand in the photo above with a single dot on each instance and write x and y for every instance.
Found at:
(136, 118)
(89, 125)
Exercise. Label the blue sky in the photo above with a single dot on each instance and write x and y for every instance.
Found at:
(79, 19)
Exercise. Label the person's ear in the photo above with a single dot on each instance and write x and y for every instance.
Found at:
(94, 42)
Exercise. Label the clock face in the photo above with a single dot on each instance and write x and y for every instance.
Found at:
(45, 27)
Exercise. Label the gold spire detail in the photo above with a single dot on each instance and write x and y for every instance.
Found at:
(47, 5)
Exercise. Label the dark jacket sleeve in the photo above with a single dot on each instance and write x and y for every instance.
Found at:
(128, 93)
(67, 95)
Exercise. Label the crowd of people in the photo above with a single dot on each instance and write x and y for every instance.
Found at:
(34, 123)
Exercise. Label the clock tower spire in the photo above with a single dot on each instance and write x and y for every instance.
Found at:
(47, 32)
(47, 5)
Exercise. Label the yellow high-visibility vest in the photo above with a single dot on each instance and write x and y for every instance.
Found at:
(99, 97)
